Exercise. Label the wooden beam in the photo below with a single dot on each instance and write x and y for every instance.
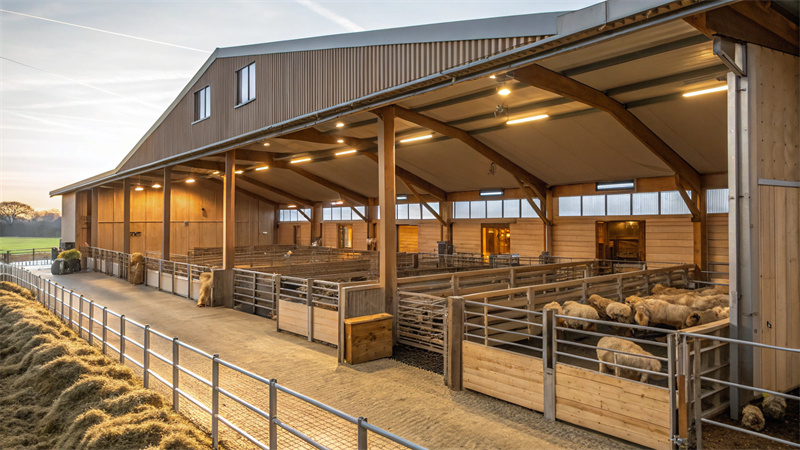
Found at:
(750, 21)
(424, 203)
(94, 214)
(166, 213)
(254, 155)
(241, 190)
(353, 208)
(300, 211)
(538, 186)
(126, 215)
(556, 83)
(229, 212)
(688, 200)
(313, 135)
(700, 238)
(341, 190)
(529, 197)
(278, 191)
(387, 238)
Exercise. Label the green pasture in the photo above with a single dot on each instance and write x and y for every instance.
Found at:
(21, 243)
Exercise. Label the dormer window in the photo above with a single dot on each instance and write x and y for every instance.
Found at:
(202, 103)
(246, 84)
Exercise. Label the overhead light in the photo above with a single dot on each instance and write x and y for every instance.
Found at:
(504, 91)
(418, 138)
(339, 124)
(341, 141)
(527, 119)
(491, 192)
(216, 172)
(138, 188)
(190, 180)
(492, 76)
(266, 144)
(156, 186)
(402, 197)
(300, 160)
(338, 203)
(615, 185)
(346, 152)
(239, 172)
(292, 206)
(262, 168)
(706, 91)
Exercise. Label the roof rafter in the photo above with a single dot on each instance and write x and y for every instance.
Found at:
(538, 186)
(556, 83)
(244, 191)
(278, 191)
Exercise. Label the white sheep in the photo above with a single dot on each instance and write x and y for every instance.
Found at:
(634, 299)
(606, 354)
(204, 299)
(660, 289)
(599, 304)
(577, 310)
(656, 312)
(701, 317)
(622, 313)
(722, 312)
(753, 418)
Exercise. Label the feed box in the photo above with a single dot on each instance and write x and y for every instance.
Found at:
(368, 338)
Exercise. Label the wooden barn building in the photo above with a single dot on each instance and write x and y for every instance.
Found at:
(647, 131)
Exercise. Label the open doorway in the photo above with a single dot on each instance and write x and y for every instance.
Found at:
(345, 236)
(407, 238)
(496, 239)
(622, 240)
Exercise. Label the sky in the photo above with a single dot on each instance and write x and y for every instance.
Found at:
(82, 81)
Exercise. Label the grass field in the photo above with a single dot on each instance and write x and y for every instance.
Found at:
(21, 243)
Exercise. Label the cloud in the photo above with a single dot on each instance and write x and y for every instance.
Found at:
(348, 24)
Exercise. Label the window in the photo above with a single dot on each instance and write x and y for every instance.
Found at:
(202, 103)
(292, 215)
(594, 205)
(618, 204)
(672, 203)
(246, 84)
(569, 206)
(338, 213)
(645, 204)
(717, 201)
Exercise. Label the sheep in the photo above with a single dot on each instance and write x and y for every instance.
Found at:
(660, 289)
(599, 304)
(204, 298)
(701, 317)
(722, 312)
(774, 407)
(634, 299)
(753, 418)
(577, 310)
(605, 354)
(655, 312)
(556, 307)
(622, 313)
(137, 269)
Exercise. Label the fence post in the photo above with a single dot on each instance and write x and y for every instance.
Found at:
(215, 401)
(697, 391)
(146, 357)
(174, 268)
(160, 269)
(683, 398)
(80, 315)
(70, 306)
(91, 322)
(362, 434)
(310, 300)
(548, 361)
(175, 374)
(455, 336)
(105, 328)
(122, 339)
(273, 414)
(671, 383)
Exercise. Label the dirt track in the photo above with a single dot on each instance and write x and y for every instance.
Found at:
(407, 401)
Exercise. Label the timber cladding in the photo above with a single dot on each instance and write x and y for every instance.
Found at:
(297, 83)
(293, 317)
(633, 411)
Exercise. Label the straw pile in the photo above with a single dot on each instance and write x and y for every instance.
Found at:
(56, 391)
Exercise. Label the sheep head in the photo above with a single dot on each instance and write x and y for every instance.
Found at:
(642, 315)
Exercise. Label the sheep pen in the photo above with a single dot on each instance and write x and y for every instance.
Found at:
(57, 391)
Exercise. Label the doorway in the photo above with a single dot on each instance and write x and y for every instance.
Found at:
(407, 238)
(496, 239)
(622, 240)
(345, 236)
(297, 235)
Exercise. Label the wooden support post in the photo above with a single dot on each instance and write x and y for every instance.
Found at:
(316, 222)
(166, 214)
(228, 231)
(94, 213)
(387, 240)
(700, 234)
(446, 210)
(455, 335)
(126, 216)
(548, 227)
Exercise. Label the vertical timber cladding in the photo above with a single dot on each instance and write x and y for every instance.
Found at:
(196, 218)
(296, 83)
(773, 123)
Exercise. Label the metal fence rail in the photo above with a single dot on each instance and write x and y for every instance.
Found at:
(238, 408)
(255, 292)
(421, 320)
(29, 256)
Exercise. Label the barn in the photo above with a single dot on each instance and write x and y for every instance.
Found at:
(458, 176)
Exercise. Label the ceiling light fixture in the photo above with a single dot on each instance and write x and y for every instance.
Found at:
(239, 172)
(493, 76)
(216, 172)
(706, 91)
(190, 180)
(338, 203)
(292, 206)
(402, 197)
(504, 91)
(615, 185)
(339, 124)
(418, 138)
(262, 168)
(527, 119)
(138, 188)
(266, 144)
(491, 192)
(156, 186)
(341, 141)
(300, 160)
(346, 152)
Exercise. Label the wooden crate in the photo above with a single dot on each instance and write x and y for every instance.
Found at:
(368, 338)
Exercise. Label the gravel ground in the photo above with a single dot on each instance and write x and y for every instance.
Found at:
(405, 400)
(419, 358)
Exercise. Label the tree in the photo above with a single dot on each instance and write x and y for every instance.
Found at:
(15, 210)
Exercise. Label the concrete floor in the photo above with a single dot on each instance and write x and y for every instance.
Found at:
(409, 402)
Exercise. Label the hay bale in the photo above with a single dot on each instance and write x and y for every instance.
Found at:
(752, 418)
(6, 286)
(137, 269)
(774, 407)
(206, 281)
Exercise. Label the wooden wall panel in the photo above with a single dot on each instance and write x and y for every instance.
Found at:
(467, 237)
(359, 235)
(286, 233)
(527, 237)
(408, 239)
(430, 233)
(670, 239)
(329, 234)
(505, 375)
(297, 83)
(718, 240)
(573, 238)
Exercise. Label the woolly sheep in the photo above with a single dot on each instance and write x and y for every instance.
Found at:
(660, 289)
(605, 354)
(722, 312)
(575, 309)
(634, 299)
(753, 418)
(774, 407)
(205, 289)
(599, 304)
(622, 313)
(137, 269)
(700, 318)
(555, 306)
(656, 312)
